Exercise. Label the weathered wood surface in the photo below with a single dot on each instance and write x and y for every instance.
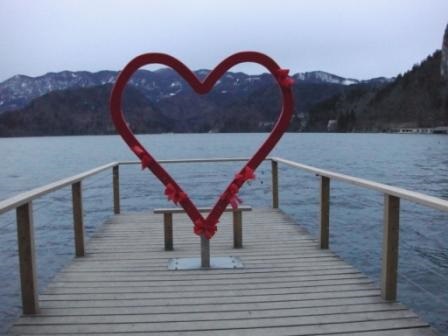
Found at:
(288, 286)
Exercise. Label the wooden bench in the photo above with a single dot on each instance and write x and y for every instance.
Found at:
(237, 223)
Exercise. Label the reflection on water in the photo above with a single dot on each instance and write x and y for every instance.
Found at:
(416, 162)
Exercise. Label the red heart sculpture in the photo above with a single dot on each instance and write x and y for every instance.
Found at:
(202, 226)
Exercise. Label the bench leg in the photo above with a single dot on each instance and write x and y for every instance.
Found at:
(237, 229)
(168, 231)
(205, 252)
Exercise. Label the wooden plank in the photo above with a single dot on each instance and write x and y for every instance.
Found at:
(275, 195)
(181, 210)
(250, 262)
(237, 229)
(198, 325)
(321, 329)
(324, 212)
(27, 259)
(158, 264)
(396, 332)
(207, 300)
(230, 276)
(205, 252)
(390, 248)
(141, 256)
(166, 275)
(221, 237)
(168, 230)
(78, 219)
(209, 315)
(231, 307)
(222, 281)
(116, 188)
(254, 260)
(143, 288)
(168, 294)
(155, 266)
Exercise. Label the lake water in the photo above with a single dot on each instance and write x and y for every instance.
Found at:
(415, 162)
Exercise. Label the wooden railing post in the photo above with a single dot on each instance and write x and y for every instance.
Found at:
(116, 188)
(274, 170)
(237, 228)
(78, 219)
(205, 252)
(27, 259)
(390, 247)
(168, 230)
(324, 212)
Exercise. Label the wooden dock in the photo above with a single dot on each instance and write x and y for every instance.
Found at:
(288, 286)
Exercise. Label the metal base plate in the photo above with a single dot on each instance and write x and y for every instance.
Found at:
(176, 264)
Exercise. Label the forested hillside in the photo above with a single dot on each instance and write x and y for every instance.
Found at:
(418, 98)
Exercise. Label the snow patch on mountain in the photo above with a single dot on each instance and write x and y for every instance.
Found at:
(323, 77)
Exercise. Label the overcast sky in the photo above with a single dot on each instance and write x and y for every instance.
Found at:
(351, 38)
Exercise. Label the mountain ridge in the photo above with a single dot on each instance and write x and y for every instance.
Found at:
(16, 92)
(242, 107)
(161, 101)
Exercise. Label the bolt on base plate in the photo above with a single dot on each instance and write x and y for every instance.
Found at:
(176, 264)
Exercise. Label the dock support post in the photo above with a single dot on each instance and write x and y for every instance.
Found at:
(324, 212)
(390, 247)
(116, 188)
(274, 170)
(27, 259)
(205, 252)
(168, 230)
(78, 220)
(237, 228)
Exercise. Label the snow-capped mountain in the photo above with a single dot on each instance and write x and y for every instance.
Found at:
(19, 90)
(323, 77)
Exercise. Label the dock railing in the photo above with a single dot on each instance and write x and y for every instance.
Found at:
(22, 204)
(392, 196)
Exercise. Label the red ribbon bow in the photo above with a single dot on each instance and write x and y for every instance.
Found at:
(235, 201)
(232, 197)
(232, 194)
(283, 78)
(144, 158)
(202, 228)
(173, 194)
(247, 174)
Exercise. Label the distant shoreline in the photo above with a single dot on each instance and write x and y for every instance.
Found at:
(220, 133)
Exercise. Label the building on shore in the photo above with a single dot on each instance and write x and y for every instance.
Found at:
(332, 125)
(428, 130)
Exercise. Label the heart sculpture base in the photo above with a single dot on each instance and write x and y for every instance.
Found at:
(177, 264)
